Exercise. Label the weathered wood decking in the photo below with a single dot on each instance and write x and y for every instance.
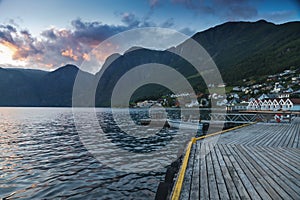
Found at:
(260, 161)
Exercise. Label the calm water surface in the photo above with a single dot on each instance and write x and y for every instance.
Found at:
(42, 157)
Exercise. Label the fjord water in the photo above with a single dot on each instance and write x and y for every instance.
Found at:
(42, 157)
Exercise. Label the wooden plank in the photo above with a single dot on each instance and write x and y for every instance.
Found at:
(260, 177)
(286, 171)
(246, 182)
(222, 190)
(280, 175)
(272, 187)
(204, 193)
(276, 182)
(274, 133)
(233, 173)
(212, 184)
(290, 157)
(296, 141)
(270, 135)
(195, 188)
(293, 153)
(280, 140)
(288, 164)
(240, 136)
(286, 135)
(263, 135)
(233, 193)
(250, 173)
(293, 131)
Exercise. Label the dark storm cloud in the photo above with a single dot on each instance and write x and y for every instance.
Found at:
(9, 28)
(168, 23)
(94, 32)
(6, 33)
(49, 34)
(130, 19)
(229, 9)
(6, 36)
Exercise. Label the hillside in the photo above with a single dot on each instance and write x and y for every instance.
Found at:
(251, 49)
(240, 50)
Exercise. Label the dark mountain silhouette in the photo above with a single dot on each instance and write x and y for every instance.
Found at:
(239, 49)
(245, 49)
(20, 87)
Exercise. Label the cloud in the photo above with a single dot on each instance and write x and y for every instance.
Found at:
(50, 34)
(93, 33)
(8, 28)
(55, 47)
(130, 19)
(228, 9)
(21, 43)
(168, 23)
(5, 33)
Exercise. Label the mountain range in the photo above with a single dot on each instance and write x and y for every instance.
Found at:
(239, 49)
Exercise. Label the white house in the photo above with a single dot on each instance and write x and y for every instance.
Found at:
(264, 105)
(277, 88)
(284, 95)
(288, 104)
(275, 104)
(251, 105)
(236, 89)
(263, 96)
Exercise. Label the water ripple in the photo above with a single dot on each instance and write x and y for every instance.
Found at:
(41, 157)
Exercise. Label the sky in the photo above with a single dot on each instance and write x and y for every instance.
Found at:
(51, 33)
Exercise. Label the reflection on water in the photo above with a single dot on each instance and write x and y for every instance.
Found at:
(41, 156)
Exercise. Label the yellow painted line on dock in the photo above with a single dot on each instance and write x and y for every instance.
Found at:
(180, 178)
(178, 186)
(224, 131)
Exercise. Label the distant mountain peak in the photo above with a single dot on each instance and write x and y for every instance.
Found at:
(68, 67)
(262, 21)
(133, 48)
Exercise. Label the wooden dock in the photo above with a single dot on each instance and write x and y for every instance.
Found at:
(260, 161)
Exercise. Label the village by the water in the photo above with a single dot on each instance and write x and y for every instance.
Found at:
(276, 92)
